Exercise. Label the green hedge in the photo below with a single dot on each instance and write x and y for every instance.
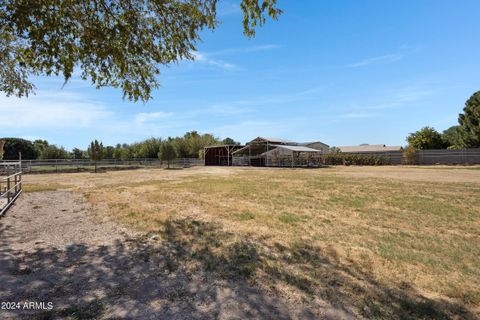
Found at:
(354, 159)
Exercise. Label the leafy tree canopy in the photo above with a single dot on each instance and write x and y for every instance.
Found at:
(78, 154)
(426, 138)
(117, 43)
(167, 152)
(53, 152)
(455, 137)
(230, 141)
(470, 121)
(96, 151)
(13, 146)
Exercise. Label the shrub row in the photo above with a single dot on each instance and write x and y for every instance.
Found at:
(354, 159)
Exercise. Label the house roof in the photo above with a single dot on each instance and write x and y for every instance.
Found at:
(370, 148)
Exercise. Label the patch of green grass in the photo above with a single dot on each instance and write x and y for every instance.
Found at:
(245, 215)
(42, 187)
(132, 214)
(351, 201)
(288, 218)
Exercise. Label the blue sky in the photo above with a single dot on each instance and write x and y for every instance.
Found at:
(342, 72)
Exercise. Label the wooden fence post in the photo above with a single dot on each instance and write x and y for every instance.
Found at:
(8, 189)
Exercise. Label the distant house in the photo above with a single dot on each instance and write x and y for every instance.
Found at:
(369, 148)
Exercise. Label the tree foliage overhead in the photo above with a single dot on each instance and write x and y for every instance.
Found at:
(117, 43)
(470, 121)
(426, 138)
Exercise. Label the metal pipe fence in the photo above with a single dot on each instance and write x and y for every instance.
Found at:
(10, 184)
(81, 165)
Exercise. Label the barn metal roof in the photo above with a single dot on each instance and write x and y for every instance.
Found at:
(298, 148)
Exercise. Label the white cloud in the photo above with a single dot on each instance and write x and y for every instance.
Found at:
(204, 59)
(358, 115)
(413, 94)
(145, 117)
(226, 8)
(279, 98)
(388, 58)
(227, 109)
(248, 129)
(50, 110)
(262, 47)
(399, 98)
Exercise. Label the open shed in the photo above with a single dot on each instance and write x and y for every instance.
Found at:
(220, 155)
(277, 152)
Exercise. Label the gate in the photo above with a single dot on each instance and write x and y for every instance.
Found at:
(10, 184)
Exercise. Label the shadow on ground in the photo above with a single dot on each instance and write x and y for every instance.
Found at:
(195, 271)
(135, 279)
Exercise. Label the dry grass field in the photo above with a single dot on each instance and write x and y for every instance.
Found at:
(377, 242)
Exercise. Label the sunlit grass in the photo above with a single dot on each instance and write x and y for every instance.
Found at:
(419, 234)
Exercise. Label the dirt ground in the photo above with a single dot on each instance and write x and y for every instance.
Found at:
(53, 250)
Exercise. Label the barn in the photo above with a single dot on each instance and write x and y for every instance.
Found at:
(263, 151)
(220, 155)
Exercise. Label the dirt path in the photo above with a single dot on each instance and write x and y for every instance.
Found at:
(52, 249)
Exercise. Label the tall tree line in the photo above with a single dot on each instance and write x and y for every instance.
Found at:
(462, 136)
(190, 145)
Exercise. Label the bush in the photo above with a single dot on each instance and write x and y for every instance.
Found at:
(354, 159)
(410, 155)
